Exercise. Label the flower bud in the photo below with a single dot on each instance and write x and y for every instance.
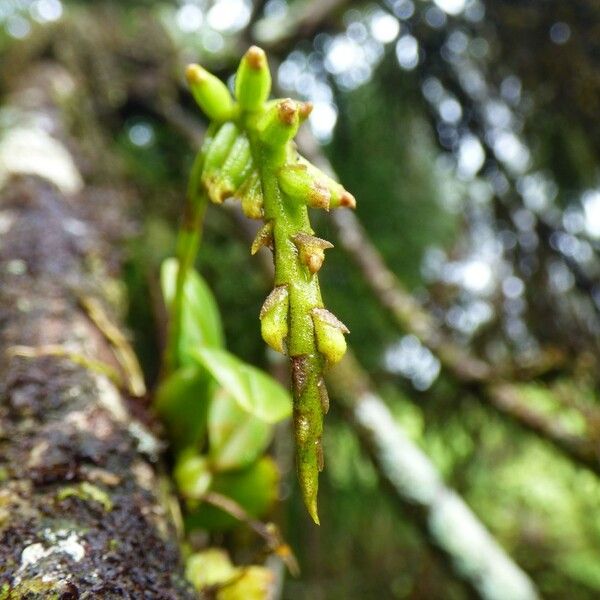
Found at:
(311, 250)
(329, 333)
(280, 123)
(304, 110)
(274, 318)
(253, 80)
(210, 93)
(297, 182)
(264, 237)
(338, 196)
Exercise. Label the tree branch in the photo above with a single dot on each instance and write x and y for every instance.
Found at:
(83, 508)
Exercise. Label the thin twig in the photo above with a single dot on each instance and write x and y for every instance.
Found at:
(268, 531)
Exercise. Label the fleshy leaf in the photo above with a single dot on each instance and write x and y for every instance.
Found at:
(236, 438)
(255, 392)
(201, 322)
(182, 402)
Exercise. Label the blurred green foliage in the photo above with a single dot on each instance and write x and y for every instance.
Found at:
(540, 506)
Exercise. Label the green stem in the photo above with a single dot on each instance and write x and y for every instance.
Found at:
(188, 244)
(290, 218)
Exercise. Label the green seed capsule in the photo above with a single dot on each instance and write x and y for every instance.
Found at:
(298, 183)
(280, 123)
(253, 80)
(329, 333)
(274, 318)
(210, 93)
(236, 167)
(311, 250)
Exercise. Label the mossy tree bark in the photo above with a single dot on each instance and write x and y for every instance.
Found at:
(83, 512)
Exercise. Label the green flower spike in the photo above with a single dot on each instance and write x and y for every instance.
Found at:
(250, 155)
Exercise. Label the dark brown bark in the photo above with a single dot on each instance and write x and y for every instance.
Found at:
(83, 508)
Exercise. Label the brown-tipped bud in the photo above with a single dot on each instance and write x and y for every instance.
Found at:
(250, 195)
(345, 199)
(288, 111)
(264, 237)
(253, 80)
(280, 123)
(329, 333)
(210, 93)
(311, 250)
(338, 195)
(304, 110)
(298, 183)
(274, 318)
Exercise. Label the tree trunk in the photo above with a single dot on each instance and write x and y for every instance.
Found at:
(83, 509)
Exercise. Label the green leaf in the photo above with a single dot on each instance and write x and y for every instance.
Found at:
(201, 321)
(255, 392)
(236, 438)
(182, 402)
(254, 488)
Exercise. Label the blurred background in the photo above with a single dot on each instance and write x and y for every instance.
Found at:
(468, 131)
